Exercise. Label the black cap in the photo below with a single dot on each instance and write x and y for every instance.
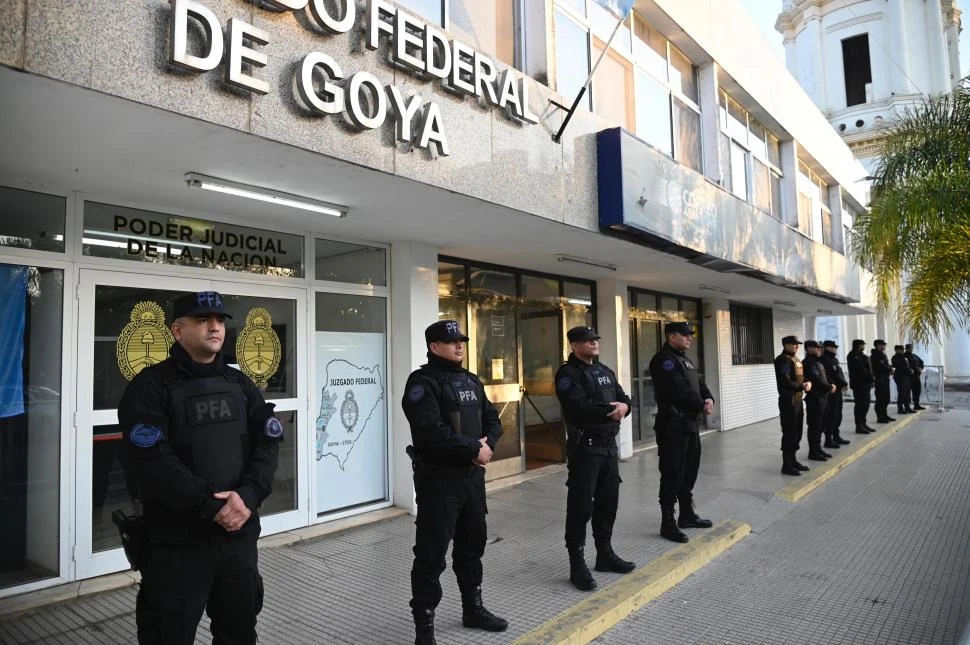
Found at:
(830, 343)
(810, 344)
(909, 346)
(679, 328)
(790, 340)
(898, 347)
(879, 341)
(444, 331)
(581, 334)
(858, 342)
(203, 303)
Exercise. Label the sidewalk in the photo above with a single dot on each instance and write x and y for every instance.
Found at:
(353, 587)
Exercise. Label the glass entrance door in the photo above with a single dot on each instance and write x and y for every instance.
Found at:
(646, 343)
(124, 326)
(545, 435)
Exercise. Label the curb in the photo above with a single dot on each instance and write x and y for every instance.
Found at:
(829, 469)
(602, 610)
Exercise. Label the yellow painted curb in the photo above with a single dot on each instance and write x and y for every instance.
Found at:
(826, 470)
(601, 611)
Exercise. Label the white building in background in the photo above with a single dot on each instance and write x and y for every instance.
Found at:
(863, 63)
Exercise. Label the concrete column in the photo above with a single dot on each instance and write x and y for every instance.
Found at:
(900, 48)
(789, 188)
(938, 58)
(414, 306)
(612, 316)
(814, 75)
(710, 130)
(953, 47)
(712, 363)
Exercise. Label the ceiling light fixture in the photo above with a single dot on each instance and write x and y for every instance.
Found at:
(784, 303)
(721, 290)
(195, 180)
(588, 262)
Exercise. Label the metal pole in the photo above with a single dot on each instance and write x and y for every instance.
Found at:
(582, 92)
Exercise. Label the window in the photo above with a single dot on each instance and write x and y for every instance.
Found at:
(430, 10)
(688, 129)
(748, 148)
(489, 26)
(353, 263)
(814, 215)
(653, 113)
(572, 61)
(613, 98)
(856, 69)
(31, 220)
(752, 335)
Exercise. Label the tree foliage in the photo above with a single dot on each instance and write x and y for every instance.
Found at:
(916, 236)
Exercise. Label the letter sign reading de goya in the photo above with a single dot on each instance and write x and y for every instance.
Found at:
(415, 46)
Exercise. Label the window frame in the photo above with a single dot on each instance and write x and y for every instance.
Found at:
(756, 348)
(769, 142)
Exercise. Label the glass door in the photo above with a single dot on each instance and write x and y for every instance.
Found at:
(545, 435)
(124, 326)
(646, 343)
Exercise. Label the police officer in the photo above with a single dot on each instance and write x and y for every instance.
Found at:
(790, 379)
(882, 371)
(903, 375)
(916, 385)
(833, 410)
(593, 402)
(816, 399)
(204, 446)
(861, 380)
(454, 430)
(682, 397)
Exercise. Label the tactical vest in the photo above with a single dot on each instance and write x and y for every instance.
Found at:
(464, 396)
(600, 385)
(208, 427)
(690, 372)
(799, 377)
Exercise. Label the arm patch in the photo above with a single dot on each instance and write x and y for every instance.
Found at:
(416, 393)
(668, 365)
(273, 428)
(145, 436)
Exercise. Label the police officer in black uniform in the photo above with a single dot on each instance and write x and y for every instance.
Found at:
(204, 446)
(882, 371)
(454, 429)
(682, 397)
(915, 383)
(593, 402)
(861, 380)
(833, 410)
(816, 399)
(790, 379)
(903, 375)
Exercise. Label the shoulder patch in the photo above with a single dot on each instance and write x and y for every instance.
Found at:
(786, 368)
(564, 384)
(273, 428)
(416, 393)
(668, 365)
(145, 436)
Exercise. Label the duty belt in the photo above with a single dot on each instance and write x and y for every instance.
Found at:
(594, 441)
(433, 471)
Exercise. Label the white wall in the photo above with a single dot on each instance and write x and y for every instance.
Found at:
(748, 392)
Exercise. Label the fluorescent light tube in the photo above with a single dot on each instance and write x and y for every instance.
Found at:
(267, 195)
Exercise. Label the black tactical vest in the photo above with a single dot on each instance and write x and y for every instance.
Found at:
(463, 396)
(690, 373)
(600, 385)
(208, 427)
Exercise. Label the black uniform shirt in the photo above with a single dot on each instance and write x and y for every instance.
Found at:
(902, 366)
(815, 374)
(833, 370)
(860, 370)
(174, 490)
(880, 363)
(678, 392)
(428, 403)
(915, 362)
(579, 385)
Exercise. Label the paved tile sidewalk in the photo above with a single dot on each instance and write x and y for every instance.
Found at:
(353, 587)
(879, 554)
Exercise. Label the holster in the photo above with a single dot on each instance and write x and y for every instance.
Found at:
(417, 464)
(134, 537)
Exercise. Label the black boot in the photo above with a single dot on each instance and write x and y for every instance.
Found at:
(799, 465)
(788, 466)
(830, 441)
(668, 525)
(910, 410)
(474, 614)
(815, 452)
(861, 429)
(838, 438)
(917, 406)
(688, 516)
(424, 627)
(901, 410)
(608, 560)
(579, 573)
(869, 427)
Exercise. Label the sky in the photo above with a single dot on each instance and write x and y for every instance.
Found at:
(765, 12)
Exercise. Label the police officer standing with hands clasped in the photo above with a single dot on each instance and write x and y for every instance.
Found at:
(593, 402)
(861, 380)
(915, 381)
(816, 399)
(454, 429)
(204, 446)
(903, 375)
(682, 397)
(882, 372)
(790, 379)
(833, 410)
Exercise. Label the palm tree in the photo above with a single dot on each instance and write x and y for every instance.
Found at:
(916, 236)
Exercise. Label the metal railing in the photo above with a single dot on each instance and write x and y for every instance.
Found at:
(932, 380)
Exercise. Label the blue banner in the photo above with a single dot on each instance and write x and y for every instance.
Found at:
(621, 7)
(13, 295)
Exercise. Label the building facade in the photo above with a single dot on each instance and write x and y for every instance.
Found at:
(863, 64)
(345, 174)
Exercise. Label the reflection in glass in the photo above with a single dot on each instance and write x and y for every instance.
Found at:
(739, 171)
(613, 88)
(682, 74)
(113, 486)
(30, 422)
(491, 283)
(352, 263)
(572, 58)
(30, 220)
(350, 401)
(451, 279)
(540, 290)
(284, 493)
(430, 10)
(650, 49)
(653, 113)
(688, 135)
